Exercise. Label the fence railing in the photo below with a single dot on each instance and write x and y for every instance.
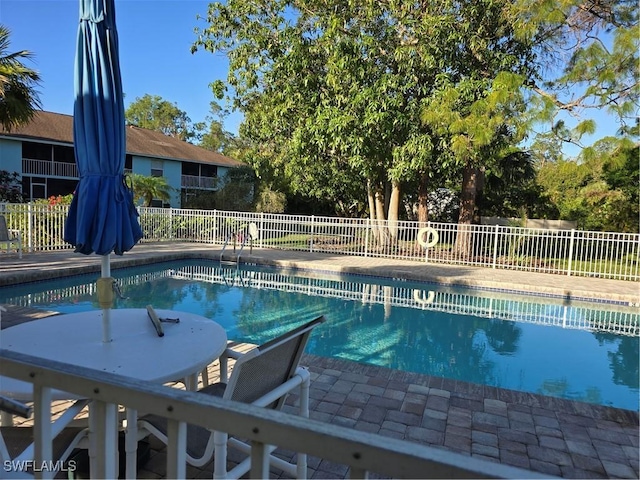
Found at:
(566, 252)
(362, 452)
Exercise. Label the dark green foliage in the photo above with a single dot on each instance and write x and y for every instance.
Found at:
(235, 192)
(510, 190)
(10, 187)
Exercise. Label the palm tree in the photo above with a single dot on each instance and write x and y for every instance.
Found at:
(146, 189)
(18, 96)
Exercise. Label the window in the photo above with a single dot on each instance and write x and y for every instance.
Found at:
(63, 154)
(157, 168)
(209, 171)
(36, 151)
(192, 169)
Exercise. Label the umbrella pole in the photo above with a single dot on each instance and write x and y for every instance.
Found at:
(106, 312)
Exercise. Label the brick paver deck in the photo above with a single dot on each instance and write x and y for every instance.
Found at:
(543, 434)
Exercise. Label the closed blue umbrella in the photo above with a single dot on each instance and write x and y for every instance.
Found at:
(102, 217)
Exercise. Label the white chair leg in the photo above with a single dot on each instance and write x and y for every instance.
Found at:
(220, 457)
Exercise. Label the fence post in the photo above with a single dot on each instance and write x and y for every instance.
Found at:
(29, 226)
(311, 239)
(570, 252)
(215, 226)
(366, 237)
(426, 250)
(495, 246)
(171, 234)
(261, 235)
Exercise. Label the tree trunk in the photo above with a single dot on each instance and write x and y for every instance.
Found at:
(375, 231)
(387, 198)
(394, 207)
(380, 216)
(423, 200)
(470, 182)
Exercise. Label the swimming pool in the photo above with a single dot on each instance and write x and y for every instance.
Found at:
(576, 350)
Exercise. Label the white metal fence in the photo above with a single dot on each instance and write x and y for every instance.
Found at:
(568, 252)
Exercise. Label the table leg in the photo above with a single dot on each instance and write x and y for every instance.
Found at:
(131, 443)
(191, 382)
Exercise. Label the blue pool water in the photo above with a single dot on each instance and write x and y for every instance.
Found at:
(575, 350)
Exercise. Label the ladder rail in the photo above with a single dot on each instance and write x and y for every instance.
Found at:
(244, 242)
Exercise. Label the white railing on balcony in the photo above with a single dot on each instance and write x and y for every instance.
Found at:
(47, 168)
(566, 252)
(362, 452)
(194, 181)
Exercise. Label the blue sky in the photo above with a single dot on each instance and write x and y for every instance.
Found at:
(155, 39)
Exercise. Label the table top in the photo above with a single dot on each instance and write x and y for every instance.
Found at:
(135, 350)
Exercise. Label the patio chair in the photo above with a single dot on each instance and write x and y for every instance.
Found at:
(264, 376)
(17, 442)
(10, 237)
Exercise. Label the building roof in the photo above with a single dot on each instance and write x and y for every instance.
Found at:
(56, 127)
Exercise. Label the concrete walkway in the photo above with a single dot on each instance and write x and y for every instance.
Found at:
(543, 434)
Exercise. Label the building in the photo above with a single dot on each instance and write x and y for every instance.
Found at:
(42, 153)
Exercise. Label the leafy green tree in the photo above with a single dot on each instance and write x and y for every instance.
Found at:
(330, 105)
(211, 134)
(269, 201)
(154, 113)
(356, 102)
(590, 48)
(18, 95)
(600, 190)
(622, 173)
(545, 148)
(478, 104)
(510, 189)
(146, 189)
(333, 93)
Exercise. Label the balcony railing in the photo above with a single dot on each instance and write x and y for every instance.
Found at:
(193, 181)
(362, 452)
(46, 168)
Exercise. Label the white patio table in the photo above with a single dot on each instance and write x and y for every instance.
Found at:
(136, 350)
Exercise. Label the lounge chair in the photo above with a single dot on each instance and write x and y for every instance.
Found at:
(10, 237)
(17, 443)
(264, 376)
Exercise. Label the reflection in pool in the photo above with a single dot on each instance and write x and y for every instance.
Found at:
(581, 351)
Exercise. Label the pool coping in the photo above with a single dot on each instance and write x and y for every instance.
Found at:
(624, 293)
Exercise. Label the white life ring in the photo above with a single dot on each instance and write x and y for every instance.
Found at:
(423, 237)
(253, 231)
(423, 297)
